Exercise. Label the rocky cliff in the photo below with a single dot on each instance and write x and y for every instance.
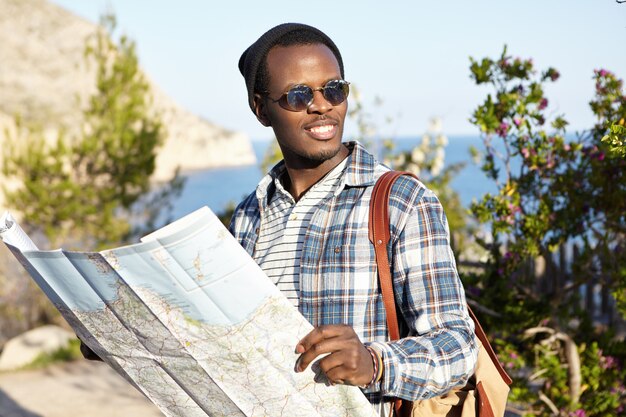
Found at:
(45, 80)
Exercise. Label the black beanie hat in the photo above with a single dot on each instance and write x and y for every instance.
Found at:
(251, 57)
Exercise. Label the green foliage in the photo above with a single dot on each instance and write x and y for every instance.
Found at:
(85, 189)
(616, 139)
(541, 362)
(552, 190)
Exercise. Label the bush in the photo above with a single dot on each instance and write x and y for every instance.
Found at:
(553, 189)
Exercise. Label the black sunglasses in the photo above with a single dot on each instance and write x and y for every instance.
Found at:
(299, 97)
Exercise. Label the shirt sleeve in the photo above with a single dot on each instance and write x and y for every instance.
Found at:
(440, 350)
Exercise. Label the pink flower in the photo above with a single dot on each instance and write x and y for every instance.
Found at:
(554, 75)
(608, 362)
(525, 153)
(600, 156)
(514, 209)
(578, 413)
(517, 121)
(502, 129)
(603, 73)
(543, 103)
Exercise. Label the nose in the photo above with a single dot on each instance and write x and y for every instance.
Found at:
(319, 104)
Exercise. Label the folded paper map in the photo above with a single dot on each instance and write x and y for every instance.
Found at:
(190, 320)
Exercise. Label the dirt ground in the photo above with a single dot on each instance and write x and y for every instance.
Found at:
(74, 389)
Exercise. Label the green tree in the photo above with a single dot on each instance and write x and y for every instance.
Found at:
(90, 189)
(552, 190)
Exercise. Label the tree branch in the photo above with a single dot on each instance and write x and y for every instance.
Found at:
(483, 309)
(549, 403)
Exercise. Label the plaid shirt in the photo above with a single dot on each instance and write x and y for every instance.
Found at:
(339, 281)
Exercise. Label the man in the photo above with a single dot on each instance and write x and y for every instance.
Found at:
(306, 225)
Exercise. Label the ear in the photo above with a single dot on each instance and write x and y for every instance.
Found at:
(261, 110)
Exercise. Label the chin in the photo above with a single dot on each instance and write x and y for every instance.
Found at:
(325, 154)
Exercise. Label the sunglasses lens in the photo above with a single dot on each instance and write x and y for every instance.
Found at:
(336, 91)
(299, 97)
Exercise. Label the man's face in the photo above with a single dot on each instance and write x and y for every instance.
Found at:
(312, 136)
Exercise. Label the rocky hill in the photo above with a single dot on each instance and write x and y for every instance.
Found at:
(45, 80)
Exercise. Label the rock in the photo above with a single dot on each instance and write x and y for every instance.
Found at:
(44, 79)
(25, 348)
(77, 388)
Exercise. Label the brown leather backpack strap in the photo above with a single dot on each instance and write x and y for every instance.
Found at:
(379, 235)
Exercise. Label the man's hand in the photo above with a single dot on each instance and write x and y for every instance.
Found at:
(349, 361)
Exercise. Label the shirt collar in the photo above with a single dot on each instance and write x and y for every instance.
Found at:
(359, 172)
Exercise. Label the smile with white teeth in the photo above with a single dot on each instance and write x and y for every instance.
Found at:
(322, 129)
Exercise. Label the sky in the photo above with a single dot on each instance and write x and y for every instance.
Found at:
(411, 56)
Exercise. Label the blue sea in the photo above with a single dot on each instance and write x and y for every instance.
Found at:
(217, 188)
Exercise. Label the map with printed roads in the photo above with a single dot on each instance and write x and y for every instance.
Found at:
(190, 320)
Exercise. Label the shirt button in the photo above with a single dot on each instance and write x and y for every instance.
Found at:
(293, 217)
(337, 249)
(256, 230)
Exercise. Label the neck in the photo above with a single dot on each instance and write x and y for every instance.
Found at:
(300, 178)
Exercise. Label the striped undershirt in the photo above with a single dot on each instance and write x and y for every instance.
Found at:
(283, 225)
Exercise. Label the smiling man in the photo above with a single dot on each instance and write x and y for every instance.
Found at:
(306, 225)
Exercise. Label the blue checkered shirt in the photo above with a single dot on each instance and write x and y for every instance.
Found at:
(339, 281)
